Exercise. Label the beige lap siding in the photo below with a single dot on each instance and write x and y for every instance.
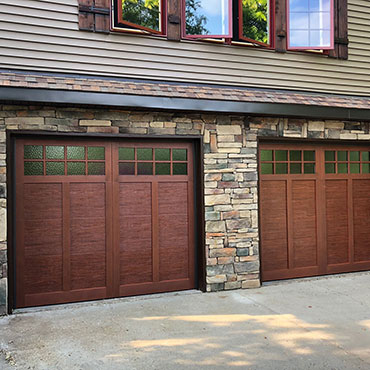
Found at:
(230, 171)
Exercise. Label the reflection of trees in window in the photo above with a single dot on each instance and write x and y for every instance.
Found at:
(255, 20)
(145, 13)
(195, 24)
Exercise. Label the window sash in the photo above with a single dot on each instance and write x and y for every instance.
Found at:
(134, 27)
(308, 30)
(270, 22)
(228, 33)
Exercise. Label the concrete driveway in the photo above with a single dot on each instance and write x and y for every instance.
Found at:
(303, 324)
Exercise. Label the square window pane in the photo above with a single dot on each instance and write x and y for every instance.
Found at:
(256, 12)
(365, 156)
(342, 155)
(342, 168)
(144, 154)
(96, 152)
(299, 5)
(329, 156)
(299, 38)
(267, 168)
(319, 39)
(320, 20)
(354, 156)
(145, 168)
(33, 168)
(299, 21)
(179, 154)
(281, 155)
(180, 168)
(329, 167)
(142, 13)
(54, 152)
(162, 154)
(126, 154)
(205, 17)
(295, 155)
(319, 5)
(96, 168)
(76, 168)
(295, 168)
(127, 168)
(309, 168)
(366, 168)
(75, 152)
(281, 168)
(162, 168)
(355, 167)
(33, 152)
(309, 155)
(55, 168)
(266, 155)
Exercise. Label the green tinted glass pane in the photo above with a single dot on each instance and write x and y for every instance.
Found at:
(162, 154)
(342, 155)
(145, 168)
(342, 168)
(309, 155)
(295, 168)
(266, 155)
(354, 156)
(127, 154)
(281, 155)
(309, 168)
(179, 154)
(54, 152)
(95, 152)
(33, 152)
(329, 167)
(96, 168)
(365, 168)
(55, 168)
(145, 14)
(329, 156)
(144, 154)
(180, 169)
(162, 168)
(281, 168)
(267, 168)
(366, 156)
(295, 155)
(33, 168)
(75, 168)
(127, 168)
(355, 167)
(75, 152)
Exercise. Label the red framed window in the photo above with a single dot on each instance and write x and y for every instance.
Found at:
(141, 15)
(207, 19)
(310, 24)
(256, 21)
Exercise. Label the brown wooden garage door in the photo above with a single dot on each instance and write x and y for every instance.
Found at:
(314, 209)
(98, 219)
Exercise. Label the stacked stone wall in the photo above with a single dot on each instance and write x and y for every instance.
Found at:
(230, 171)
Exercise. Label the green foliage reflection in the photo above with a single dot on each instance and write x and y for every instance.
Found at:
(195, 23)
(255, 20)
(145, 13)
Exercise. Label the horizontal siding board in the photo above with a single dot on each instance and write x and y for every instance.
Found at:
(47, 32)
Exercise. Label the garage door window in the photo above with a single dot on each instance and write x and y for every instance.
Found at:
(342, 161)
(153, 161)
(59, 160)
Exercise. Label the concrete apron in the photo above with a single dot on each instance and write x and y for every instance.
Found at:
(301, 324)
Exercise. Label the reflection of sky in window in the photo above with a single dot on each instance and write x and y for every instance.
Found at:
(310, 23)
(216, 13)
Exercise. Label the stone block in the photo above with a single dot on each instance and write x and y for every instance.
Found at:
(216, 279)
(3, 296)
(211, 200)
(212, 216)
(215, 227)
(247, 266)
(225, 260)
(215, 287)
(105, 130)
(24, 121)
(242, 252)
(213, 176)
(2, 224)
(222, 252)
(250, 284)
(346, 136)
(337, 125)
(220, 269)
(237, 224)
(233, 285)
(95, 122)
(229, 130)
(316, 126)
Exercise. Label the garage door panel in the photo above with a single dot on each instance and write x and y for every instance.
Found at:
(361, 210)
(337, 221)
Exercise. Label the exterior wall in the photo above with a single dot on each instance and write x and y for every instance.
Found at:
(230, 171)
(46, 32)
